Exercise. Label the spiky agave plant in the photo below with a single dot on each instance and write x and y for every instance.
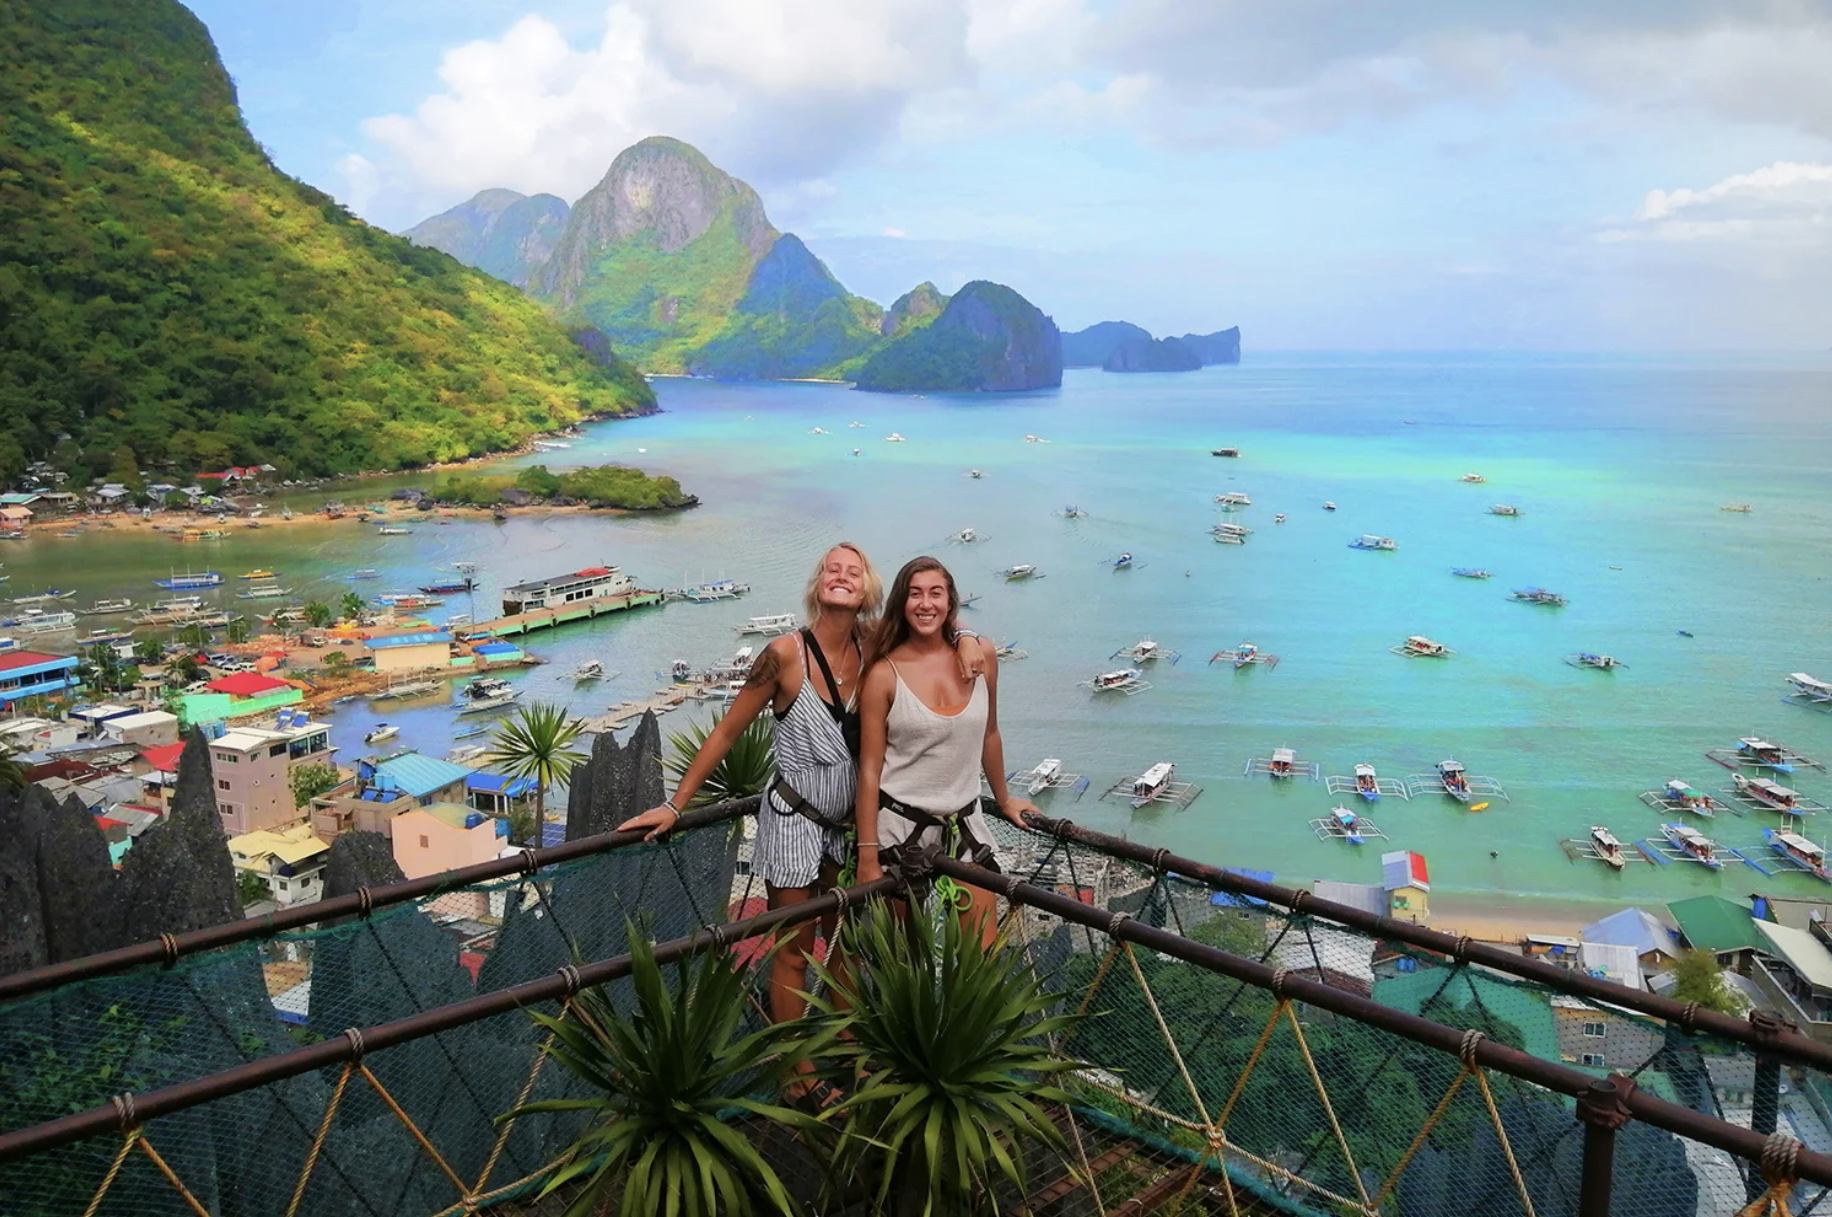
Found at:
(662, 1075)
(949, 1041)
(745, 770)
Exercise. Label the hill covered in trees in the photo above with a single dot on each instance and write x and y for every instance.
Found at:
(165, 290)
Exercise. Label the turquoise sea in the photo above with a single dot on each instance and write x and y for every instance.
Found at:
(1618, 466)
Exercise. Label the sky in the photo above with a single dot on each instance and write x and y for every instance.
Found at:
(1328, 174)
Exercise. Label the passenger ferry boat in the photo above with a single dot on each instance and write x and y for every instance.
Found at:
(770, 626)
(102, 608)
(1770, 794)
(1800, 851)
(37, 621)
(591, 583)
(486, 693)
(1455, 779)
(1608, 848)
(1693, 844)
(1233, 501)
(188, 580)
(1150, 784)
(1423, 647)
(1368, 540)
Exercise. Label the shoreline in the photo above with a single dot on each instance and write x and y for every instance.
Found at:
(1506, 919)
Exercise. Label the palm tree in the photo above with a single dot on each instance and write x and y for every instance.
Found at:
(149, 651)
(318, 614)
(538, 743)
(353, 606)
(745, 770)
(659, 1079)
(12, 773)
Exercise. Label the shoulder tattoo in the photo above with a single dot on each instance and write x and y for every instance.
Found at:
(764, 670)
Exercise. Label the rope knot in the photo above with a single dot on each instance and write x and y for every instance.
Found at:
(365, 903)
(530, 862)
(170, 943)
(1780, 1160)
(1278, 982)
(1119, 919)
(718, 935)
(355, 1036)
(1299, 899)
(1461, 950)
(1689, 1015)
(1467, 1049)
(1157, 861)
(569, 975)
(124, 1111)
(839, 901)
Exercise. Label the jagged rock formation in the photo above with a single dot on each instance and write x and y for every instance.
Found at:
(500, 232)
(178, 875)
(616, 782)
(357, 860)
(1147, 355)
(1223, 346)
(1091, 347)
(988, 339)
(917, 307)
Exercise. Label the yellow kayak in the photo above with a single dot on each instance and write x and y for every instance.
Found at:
(1478, 806)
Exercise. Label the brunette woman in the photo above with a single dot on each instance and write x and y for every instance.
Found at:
(928, 732)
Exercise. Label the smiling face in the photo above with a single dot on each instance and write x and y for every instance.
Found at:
(841, 582)
(930, 603)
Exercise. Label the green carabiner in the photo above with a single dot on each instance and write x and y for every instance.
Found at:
(953, 895)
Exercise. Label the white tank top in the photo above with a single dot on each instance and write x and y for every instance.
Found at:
(932, 761)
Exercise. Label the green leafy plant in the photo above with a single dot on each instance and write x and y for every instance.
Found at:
(352, 606)
(311, 780)
(538, 743)
(251, 888)
(662, 1075)
(12, 773)
(745, 770)
(1697, 976)
(950, 1040)
(318, 614)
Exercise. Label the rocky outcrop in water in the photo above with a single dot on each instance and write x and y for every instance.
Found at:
(794, 321)
(1223, 346)
(916, 307)
(1090, 348)
(988, 339)
(1147, 355)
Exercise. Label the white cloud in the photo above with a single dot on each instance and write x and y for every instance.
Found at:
(1783, 181)
(1786, 205)
(898, 233)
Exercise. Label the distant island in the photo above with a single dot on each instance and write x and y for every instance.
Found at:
(1120, 346)
(676, 264)
(175, 302)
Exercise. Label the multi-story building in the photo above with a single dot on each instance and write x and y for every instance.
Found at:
(384, 789)
(252, 768)
(29, 673)
(290, 861)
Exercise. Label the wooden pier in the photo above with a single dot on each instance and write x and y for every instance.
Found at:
(546, 619)
(626, 712)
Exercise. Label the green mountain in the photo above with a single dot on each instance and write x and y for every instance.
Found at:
(500, 232)
(1090, 348)
(913, 310)
(987, 339)
(795, 320)
(166, 291)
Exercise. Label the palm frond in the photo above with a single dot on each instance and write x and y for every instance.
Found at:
(745, 770)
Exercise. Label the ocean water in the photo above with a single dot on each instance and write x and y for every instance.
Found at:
(1618, 466)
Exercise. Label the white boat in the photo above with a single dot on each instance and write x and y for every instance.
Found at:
(44, 597)
(817, 430)
(966, 536)
(720, 589)
(893, 438)
(1230, 534)
(102, 608)
(1423, 647)
(1023, 570)
(1232, 500)
(1368, 540)
(407, 688)
(770, 626)
(975, 473)
(468, 754)
(390, 530)
(1348, 824)
(1328, 505)
(264, 591)
(1035, 439)
(1693, 843)
(591, 669)
(1474, 478)
(1038, 780)
(1504, 509)
(855, 423)
(1810, 688)
(1072, 512)
(486, 693)
(1797, 849)
(1146, 650)
(1768, 793)
(37, 621)
(1608, 848)
(381, 731)
(1122, 680)
(1152, 783)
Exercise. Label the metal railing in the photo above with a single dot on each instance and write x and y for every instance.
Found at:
(1223, 1072)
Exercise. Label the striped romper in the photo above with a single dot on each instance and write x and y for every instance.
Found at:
(811, 757)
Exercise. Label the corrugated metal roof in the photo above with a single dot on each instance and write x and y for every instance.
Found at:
(245, 684)
(1712, 923)
(1368, 897)
(420, 775)
(409, 640)
(515, 788)
(1615, 961)
(1632, 927)
(1802, 952)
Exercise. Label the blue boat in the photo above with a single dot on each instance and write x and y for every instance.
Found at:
(188, 581)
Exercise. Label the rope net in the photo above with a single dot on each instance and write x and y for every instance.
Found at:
(1202, 1094)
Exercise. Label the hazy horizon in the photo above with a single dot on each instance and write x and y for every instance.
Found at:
(1493, 177)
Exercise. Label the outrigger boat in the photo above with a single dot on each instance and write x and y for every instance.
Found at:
(1233, 500)
(1537, 595)
(1768, 795)
(1609, 850)
(1071, 512)
(1588, 659)
(1680, 796)
(486, 693)
(976, 474)
(769, 627)
(37, 621)
(966, 536)
(1344, 824)
(1754, 751)
(1231, 452)
(1329, 505)
(367, 572)
(1283, 763)
(1230, 534)
(188, 580)
(1368, 540)
(1504, 509)
(390, 530)
(1737, 507)
(380, 732)
(1023, 570)
(1469, 572)
(1474, 478)
(1123, 562)
(264, 591)
(44, 597)
(680, 670)
(1146, 650)
(894, 438)
(1048, 775)
(705, 593)
(1422, 647)
(101, 608)
(1245, 655)
(407, 688)
(1693, 844)
(1152, 783)
(591, 669)
(1809, 690)
(262, 573)
(1010, 651)
(1797, 849)
(1450, 777)
(1368, 784)
(447, 587)
(1125, 680)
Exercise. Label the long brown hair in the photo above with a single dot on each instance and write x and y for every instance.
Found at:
(894, 626)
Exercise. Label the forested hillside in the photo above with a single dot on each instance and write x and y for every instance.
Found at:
(164, 289)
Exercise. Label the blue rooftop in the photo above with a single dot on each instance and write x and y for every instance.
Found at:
(418, 775)
(496, 783)
(1632, 927)
(552, 834)
(409, 640)
(1235, 900)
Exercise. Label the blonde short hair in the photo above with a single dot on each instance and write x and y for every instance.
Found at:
(869, 603)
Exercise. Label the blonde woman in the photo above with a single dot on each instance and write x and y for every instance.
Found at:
(810, 680)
